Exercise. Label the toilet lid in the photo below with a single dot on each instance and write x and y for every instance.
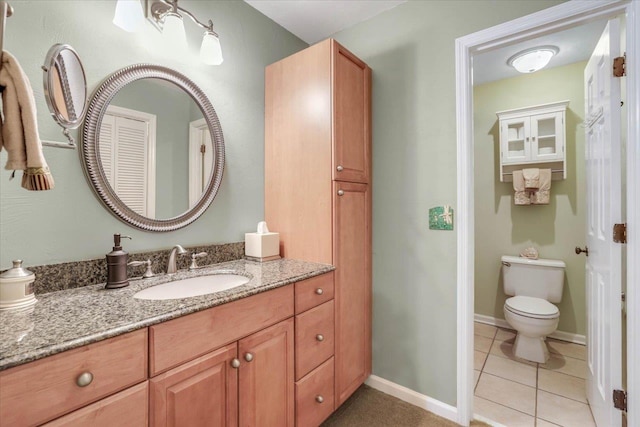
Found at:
(532, 307)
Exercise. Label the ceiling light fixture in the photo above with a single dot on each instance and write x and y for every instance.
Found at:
(166, 16)
(532, 60)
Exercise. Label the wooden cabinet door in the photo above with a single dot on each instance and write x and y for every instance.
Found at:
(351, 117)
(203, 392)
(266, 377)
(352, 258)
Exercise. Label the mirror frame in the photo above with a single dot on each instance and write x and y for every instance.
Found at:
(91, 154)
(47, 77)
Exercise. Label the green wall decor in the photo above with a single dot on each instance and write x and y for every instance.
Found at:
(441, 218)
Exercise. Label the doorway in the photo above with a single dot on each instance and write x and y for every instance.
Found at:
(552, 20)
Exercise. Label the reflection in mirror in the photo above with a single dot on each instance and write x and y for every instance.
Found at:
(155, 148)
(152, 147)
(65, 86)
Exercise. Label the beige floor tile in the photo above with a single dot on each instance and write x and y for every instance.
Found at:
(566, 365)
(476, 376)
(511, 370)
(484, 330)
(508, 393)
(563, 411)
(577, 351)
(505, 335)
(481, 343)
(505, 349)
(501, 414)
(562, 384)
(542, 423)
(478, 360)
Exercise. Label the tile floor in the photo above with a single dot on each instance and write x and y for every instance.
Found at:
(516, 393)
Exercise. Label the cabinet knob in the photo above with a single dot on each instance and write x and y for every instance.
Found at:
(235, 363)
(340, 193)
(339, 168)
(248, 357)
(319, 291)
(84, 379)
(319, 399)
(319, 337)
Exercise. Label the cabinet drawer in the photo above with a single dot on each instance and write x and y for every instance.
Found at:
(314, 396)
(45, 389)
(127, 408)
(313, 292)
(314, 338)
(180, 340)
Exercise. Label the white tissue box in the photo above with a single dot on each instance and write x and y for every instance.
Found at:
(263, 245)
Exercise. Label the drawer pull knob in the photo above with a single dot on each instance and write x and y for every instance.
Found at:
(320, 337)
(319, 399)
(248, 357)
(84, 379)
(339, 168)
(235, 363)
(340, 193)
(319, 291)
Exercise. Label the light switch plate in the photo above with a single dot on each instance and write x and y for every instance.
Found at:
(441, 218)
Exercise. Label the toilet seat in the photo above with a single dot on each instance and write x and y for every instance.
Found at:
(536, 308)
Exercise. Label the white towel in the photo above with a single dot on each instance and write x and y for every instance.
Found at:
(543, 195)
(531, 178)
(20, 127)
(520, 196)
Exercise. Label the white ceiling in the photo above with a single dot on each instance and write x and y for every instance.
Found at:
(315, 20)
(575, 44)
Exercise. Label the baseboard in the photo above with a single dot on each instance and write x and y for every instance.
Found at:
(413, 397)
(558, 335)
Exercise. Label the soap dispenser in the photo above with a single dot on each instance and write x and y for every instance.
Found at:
(117, 265)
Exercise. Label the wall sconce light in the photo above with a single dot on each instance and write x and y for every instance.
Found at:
(532, 60)
(166, 16)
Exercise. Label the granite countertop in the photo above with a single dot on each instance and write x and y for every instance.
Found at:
(72, 318)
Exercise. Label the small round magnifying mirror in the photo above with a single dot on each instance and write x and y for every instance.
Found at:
(65, 86)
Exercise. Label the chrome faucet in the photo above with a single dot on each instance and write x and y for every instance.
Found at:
(171, 265)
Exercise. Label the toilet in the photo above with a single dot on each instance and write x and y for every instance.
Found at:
(533, 285)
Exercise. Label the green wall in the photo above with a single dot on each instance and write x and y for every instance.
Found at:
(501, 228)
(69, 223)
(411, 51)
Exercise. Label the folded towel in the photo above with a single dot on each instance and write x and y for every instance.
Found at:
(20, 128)
(531, 178)
(520, 196)
(543, 195)
(530, 252)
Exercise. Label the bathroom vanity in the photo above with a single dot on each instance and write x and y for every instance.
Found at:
(259, 354)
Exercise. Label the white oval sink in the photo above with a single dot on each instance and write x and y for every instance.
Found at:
(192, 287)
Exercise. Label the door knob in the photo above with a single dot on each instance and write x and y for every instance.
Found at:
(339, 168)
(319, 291)
(320, 337)
(319, 399)
(235, 363)
(580, 250)
(340, 193)
(248, 357)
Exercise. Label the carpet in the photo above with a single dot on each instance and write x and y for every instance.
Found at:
(368, 407)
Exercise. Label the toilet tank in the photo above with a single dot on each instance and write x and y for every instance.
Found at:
(540, 278)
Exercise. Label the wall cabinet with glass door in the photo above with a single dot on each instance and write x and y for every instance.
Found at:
(533, 137)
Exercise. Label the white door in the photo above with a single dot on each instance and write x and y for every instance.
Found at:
(603, 266)
(200, 159)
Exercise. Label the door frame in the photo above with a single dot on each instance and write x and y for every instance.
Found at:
(554, 19)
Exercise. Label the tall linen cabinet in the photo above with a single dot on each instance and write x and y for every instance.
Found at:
(318, 185)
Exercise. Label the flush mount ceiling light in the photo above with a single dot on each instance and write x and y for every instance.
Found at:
(166, 16)
(532, 60)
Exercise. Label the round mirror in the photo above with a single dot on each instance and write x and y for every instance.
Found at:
(153, 147)
(65, 86)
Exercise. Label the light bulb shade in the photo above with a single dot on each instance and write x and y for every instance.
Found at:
(173, 35)
(532, 60)
(129, 15)
(211, 51)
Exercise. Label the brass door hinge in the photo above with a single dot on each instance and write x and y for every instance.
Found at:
(203, 148)
(620, 400)
(619, 66)
(620, 233)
